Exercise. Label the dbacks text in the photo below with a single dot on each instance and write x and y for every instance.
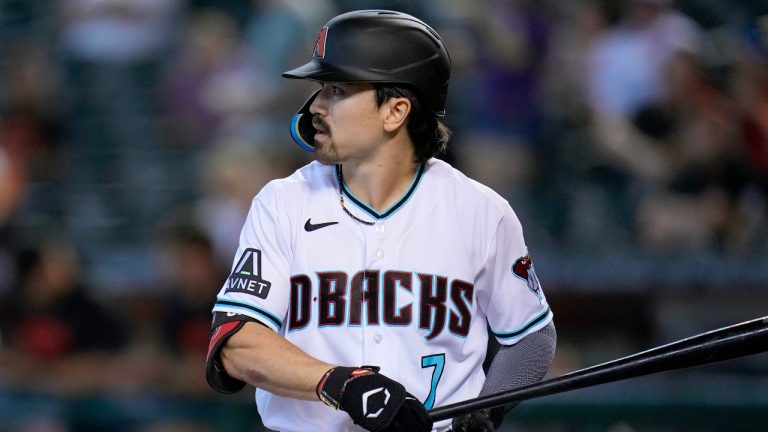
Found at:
(341, 300)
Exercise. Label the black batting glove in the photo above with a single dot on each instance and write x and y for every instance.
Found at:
(479, 421)
(373, 401)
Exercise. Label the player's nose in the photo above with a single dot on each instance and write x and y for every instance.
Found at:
(319, 106)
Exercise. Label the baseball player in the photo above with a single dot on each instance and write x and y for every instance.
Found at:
(365, 284)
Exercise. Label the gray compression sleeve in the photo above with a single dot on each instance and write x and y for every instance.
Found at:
(523, 363)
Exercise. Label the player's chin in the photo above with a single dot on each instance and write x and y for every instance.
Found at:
(324, 156)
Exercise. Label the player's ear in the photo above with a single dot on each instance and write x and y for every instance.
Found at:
(395, 112)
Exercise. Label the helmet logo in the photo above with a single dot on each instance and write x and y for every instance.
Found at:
(319, 50)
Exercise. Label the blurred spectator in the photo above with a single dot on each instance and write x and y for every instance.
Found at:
(112, 51)
(575, 28)
(31, 138)
(568, 215)
(31, 163)
(512, 41)
(701, 165)
(12, 179)
(627, 63)
(55, 335)
(117, 31)
(234, 170)
(169, 326)
(749, 86)
(193, 276)
(212, 84)
(626, 71)
(280, 32)
(750, 89)
(237, 9)
(277, 37)
(501, 101)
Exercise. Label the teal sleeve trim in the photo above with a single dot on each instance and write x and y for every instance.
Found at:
(230, 304)
(538, 319)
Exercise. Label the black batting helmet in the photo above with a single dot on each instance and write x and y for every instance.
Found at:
(375, 46)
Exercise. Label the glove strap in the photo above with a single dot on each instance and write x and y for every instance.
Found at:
(331, 387)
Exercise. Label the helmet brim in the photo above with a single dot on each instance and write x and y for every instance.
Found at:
(317, 72)
(326, 72)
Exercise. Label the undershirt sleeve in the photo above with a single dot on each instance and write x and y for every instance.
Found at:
(523, 363)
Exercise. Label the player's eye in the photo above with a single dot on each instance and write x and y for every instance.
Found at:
(332, 90)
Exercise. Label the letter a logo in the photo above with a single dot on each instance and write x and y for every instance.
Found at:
(319, 50)
(245, 265)
(246, 276)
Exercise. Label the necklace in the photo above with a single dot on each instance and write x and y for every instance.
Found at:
(341, 198)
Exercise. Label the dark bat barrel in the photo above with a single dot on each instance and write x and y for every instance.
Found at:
(750, 337)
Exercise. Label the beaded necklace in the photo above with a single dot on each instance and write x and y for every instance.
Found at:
(341, 198)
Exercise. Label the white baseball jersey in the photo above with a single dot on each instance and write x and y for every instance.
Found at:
(411, 293)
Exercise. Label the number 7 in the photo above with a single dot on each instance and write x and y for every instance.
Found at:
(438, 362)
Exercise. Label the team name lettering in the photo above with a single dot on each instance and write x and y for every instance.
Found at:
(426, 300)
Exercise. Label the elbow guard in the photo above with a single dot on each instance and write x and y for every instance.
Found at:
(222, 328)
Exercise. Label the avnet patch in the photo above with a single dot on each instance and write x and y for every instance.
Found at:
(246, 277)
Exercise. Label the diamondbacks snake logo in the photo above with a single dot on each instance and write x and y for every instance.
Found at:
(523, 269)
(319, 50)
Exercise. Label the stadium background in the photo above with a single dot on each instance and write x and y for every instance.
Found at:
(630, 137)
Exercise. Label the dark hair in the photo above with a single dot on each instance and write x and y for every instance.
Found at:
(429, 135)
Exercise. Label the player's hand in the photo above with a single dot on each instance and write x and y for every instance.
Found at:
(373, 401)
(478, 421)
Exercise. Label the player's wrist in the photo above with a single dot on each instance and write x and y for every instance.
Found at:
(321, 383)
(331, 386)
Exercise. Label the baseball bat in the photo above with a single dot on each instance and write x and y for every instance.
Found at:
(738, 340)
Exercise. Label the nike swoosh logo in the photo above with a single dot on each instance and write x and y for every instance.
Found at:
(309, 226)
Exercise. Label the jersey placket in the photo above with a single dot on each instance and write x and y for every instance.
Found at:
(377, 349)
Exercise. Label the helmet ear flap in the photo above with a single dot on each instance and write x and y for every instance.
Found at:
(302, 131)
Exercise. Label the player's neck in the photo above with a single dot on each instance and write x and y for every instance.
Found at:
(382, 182)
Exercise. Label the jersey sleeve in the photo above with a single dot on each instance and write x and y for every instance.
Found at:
(512, 298)
(258, 285)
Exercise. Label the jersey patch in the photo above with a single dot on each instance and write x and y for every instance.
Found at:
(246, 277)
(523, 269)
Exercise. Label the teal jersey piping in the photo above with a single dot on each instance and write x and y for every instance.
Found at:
(235, 304)
(532, 323)
(394, 207)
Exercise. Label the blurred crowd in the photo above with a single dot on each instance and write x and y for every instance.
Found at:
(134, 134)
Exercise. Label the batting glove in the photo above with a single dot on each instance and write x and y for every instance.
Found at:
(373, 401)
(479, 421)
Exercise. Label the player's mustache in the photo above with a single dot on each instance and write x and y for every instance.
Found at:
(319, 123)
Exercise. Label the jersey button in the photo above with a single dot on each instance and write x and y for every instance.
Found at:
(380, 253)
(380, 228)
(377, 338)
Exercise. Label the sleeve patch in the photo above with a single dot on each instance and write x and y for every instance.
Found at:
(246, 277)
(523, 269)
